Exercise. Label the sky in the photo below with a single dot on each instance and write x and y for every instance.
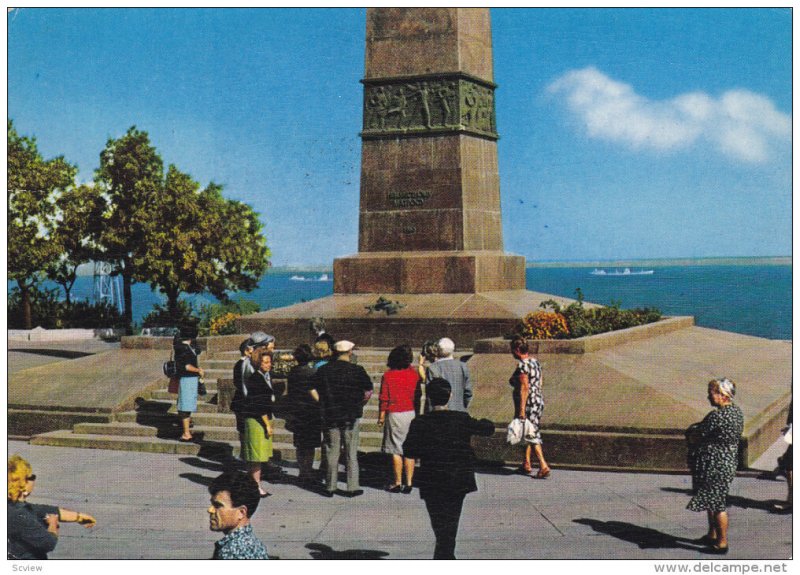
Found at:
(624, 133)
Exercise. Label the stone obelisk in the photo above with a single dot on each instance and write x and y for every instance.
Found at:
(429, 219)
(430, 236)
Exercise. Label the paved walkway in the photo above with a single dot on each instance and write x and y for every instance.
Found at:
(152, 506)
(26, 354)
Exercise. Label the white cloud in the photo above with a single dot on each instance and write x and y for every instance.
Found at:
(740, 124)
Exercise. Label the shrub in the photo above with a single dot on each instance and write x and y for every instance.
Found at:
(282, 364)
(544, 325)
(218, 318)
(161, 317)
(84, 314)
(50, 312)
(46, 310)
(580, 321)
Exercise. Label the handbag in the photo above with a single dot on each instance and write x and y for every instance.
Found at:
(170, 367)
(528, 432)
(201, 387)
(174, 384)
(514, 431)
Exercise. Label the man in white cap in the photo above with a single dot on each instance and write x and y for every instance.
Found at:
(342, 388)
(455, 372)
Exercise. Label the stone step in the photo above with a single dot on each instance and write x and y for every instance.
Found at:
(204, 432)
(168, 406)
(227, 420)
(155, 418)
(116, 442)
(163, 394)
(115, 428)
(281, 451)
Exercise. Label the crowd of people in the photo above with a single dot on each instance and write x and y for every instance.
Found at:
(423, 412)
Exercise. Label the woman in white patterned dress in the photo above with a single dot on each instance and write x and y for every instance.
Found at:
(529, 402)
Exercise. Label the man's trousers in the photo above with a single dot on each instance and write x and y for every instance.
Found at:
(333, 438)
(445, 513)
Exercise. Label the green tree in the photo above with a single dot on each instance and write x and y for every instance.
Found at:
(200, 242)
(131, 175)
(32, 185)
(76, 232)
(239, 257)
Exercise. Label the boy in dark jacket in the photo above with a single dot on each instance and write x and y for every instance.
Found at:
(441, 441)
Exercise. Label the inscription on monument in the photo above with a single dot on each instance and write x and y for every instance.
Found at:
(408, 199)
(423, 105)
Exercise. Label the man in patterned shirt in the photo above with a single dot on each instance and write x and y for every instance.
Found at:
(234, 499)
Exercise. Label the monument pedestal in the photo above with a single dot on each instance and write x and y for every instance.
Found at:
(433, 272)
(463, 317)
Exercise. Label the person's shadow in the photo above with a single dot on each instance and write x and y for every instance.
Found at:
(733, 500)
(644, 537)
(319, 551)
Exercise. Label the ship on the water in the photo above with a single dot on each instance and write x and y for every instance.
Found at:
(625, 272)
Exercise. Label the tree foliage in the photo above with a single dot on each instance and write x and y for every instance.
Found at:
(201, 242)
(130, 174)
(150, 226)
(76, 233)
(32, 185)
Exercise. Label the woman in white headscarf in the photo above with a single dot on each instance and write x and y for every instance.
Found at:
(714, 446)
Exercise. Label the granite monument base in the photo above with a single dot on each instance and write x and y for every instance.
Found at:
(428, 272)
(463, 317)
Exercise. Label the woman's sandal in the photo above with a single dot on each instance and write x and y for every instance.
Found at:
(394, 488)
(263, 494)
(543, 473)
(717, 550)
(524, 469)
(184, 440)
(706, 540)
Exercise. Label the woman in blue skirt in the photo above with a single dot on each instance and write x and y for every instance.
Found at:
(188, 372)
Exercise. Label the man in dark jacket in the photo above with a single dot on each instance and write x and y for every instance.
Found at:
(441, 441)
(342, 388)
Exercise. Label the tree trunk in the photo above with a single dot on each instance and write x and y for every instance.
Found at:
(172, 305)
(67, 287)
(24, 291)
(127, 281)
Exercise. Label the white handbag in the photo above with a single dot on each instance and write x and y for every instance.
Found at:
(529, 433)
(519, 430)
(515, 432)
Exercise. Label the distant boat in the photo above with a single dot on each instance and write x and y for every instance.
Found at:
(322, 278)
(625, 272)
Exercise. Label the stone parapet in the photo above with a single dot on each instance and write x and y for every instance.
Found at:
(592, 342)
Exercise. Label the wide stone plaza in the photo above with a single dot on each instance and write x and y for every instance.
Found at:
(153, 506)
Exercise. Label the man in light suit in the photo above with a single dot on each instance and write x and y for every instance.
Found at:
(454, 371)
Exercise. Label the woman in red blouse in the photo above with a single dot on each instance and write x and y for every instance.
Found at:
(399, 387)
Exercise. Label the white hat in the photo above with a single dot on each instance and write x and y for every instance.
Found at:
(343, 346)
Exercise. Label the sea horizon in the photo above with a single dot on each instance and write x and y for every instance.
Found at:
(87, 269)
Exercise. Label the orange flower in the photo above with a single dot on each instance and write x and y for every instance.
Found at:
(545, 325)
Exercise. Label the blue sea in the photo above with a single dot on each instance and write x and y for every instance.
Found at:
(753, 300)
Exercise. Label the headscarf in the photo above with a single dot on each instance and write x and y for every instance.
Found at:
(726, 387)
